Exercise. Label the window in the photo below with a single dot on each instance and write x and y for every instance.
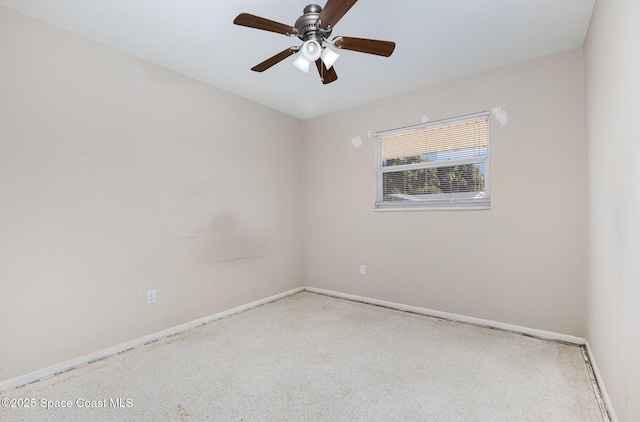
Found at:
(443, 164)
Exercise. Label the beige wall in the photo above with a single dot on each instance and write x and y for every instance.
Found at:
(612, 72)
(522, 262)
(118, 176)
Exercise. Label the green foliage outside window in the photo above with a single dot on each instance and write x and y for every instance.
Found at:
(435, 180)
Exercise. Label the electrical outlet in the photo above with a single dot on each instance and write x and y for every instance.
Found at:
(151, 297)
(363, 269)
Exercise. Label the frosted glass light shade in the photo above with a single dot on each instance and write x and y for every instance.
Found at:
(329, 57)
(309, 52)
(302, 63)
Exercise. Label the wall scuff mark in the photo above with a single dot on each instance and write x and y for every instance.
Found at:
(425, 119)
(226, 240)
(500, 115)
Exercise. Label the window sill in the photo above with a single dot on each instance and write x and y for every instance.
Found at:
(433, 208)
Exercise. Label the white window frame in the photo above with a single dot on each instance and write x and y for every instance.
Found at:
(452, 204)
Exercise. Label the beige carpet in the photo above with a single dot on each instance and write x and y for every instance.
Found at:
(314, 358)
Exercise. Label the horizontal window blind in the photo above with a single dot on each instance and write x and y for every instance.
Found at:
(463, 139)
(434, 165)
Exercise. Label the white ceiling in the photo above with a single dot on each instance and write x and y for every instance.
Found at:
(437, 40)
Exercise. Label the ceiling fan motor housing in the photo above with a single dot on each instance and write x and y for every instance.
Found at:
(307, 25)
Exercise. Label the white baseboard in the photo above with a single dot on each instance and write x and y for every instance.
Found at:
(603, 390)
(122, 347)
(547, 335)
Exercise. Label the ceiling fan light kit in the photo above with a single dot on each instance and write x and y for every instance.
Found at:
(310, 52)
(314, 28)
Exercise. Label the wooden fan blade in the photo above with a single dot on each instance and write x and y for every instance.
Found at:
(326, 75)
(364, 45)
(275, 59)
(333, 11)
(253, 21)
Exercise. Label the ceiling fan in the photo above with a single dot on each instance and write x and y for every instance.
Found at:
(314, 28)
